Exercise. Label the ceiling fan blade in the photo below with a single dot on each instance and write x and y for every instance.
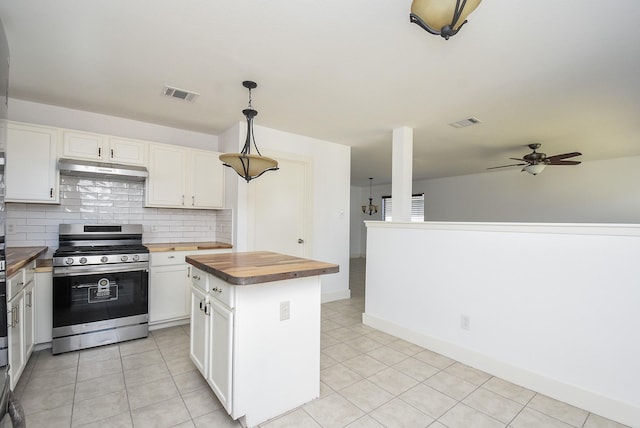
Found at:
(518, 159)
(555, 158)
(563, 162)
(507, 166)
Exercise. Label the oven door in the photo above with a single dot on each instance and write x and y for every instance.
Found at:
(88, 298)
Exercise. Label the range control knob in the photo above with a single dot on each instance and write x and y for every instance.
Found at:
(124, 258)
(136, 257)
(104, 259)
(69, 260)
(83, 260)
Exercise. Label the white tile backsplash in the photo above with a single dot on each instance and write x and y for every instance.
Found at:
(84, 200)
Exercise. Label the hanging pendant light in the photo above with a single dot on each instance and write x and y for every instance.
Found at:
(370, 209)
(442, 17)
(249, 166)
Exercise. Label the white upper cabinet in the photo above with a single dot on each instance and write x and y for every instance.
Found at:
(207, 179)
(180, 177)
(103, 148)
(31, 170)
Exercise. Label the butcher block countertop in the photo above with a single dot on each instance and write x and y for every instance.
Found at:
(18, 257)
(187, 246)
(258, 267)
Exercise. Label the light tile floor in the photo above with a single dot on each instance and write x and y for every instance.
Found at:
(369, 379)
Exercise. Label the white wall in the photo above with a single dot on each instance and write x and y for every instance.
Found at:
(44, 114)
(551, 307)
(331, 169)
(603, 191)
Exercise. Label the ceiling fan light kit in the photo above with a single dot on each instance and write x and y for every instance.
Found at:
(247, 165)
(442, 17)
(535, 162)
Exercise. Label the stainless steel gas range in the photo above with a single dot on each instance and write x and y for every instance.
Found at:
(100, 286)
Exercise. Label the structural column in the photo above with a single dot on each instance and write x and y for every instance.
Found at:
(402, 174)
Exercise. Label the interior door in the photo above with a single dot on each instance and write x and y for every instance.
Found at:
(278, 209)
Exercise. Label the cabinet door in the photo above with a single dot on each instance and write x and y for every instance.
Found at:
(166, 185)
(31, 171)
(29, 312)
(220, 352)
(44, 307)
(199, 337)
(168, 293)
(122, 150)
(80, 145)
(15, 334)
(206, 179)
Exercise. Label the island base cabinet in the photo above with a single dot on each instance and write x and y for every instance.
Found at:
(199, 337)
(219, 376)
(264, 362)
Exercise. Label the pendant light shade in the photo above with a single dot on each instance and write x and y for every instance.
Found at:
(442, 17)
(535, 169)
(247, 165)
(370, 209)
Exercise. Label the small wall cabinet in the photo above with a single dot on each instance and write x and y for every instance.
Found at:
(31, 170)
(103, 148)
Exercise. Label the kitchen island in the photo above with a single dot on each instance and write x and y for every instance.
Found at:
(255, 330)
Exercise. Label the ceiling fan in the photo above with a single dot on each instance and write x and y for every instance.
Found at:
(535, 162)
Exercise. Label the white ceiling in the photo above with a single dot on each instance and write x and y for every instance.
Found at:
(562, 73)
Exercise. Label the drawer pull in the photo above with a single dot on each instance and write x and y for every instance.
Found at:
(217, 290)
(171, 257)
(196, 277)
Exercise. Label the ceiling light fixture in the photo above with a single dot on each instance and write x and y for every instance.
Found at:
(370, 209)
(249, 166)
(442, 17)
(535, 168)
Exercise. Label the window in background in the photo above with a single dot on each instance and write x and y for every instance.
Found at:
(417, 207)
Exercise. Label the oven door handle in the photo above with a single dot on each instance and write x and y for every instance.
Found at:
(99, 269)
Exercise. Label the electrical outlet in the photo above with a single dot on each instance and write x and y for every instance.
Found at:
(465, 322)
(11, 228)
(285, 310)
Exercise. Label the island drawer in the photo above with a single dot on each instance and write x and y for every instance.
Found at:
(222, 291)
(199, 279)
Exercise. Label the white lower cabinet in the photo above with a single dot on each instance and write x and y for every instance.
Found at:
(167, 293)
(29, 320)
(220, 352)
(170, 285)
(199, 349)
(43, 307)
(20, 320)
(15, 331)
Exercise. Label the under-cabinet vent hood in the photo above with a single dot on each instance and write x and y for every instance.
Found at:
(102, 170)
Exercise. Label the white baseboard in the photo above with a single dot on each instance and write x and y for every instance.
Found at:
(335, 295)
(591, 401)
(165, 324)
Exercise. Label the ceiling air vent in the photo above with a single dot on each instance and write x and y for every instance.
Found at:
(465, 122)
(181, 94)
